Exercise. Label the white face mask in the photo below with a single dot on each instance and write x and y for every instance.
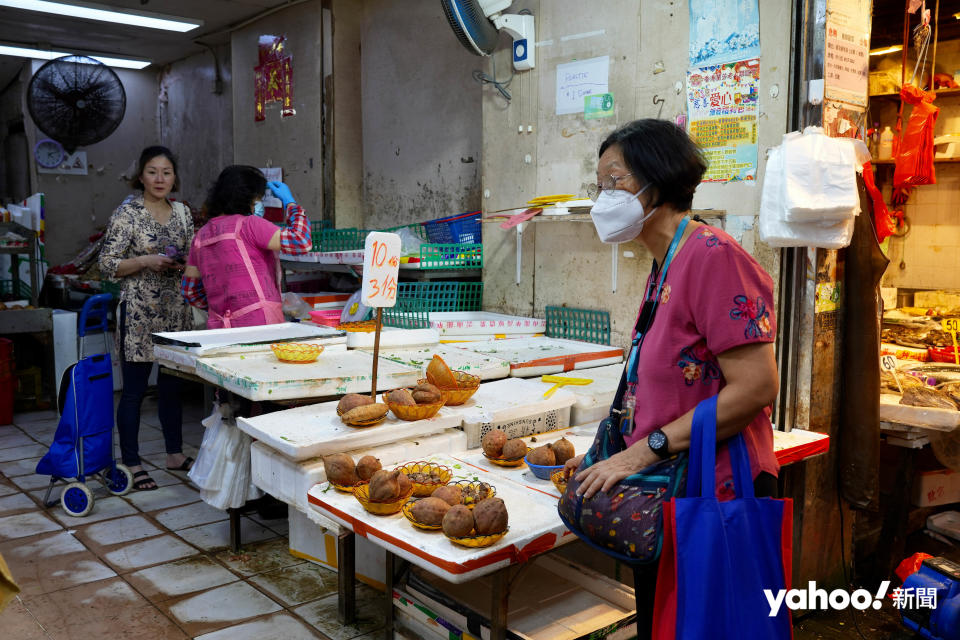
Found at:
(619, 215)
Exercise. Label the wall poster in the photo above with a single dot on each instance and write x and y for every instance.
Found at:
(273, 77)
(722, 110)
(723, 31)
(846, 66)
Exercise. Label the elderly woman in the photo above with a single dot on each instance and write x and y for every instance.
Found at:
(143, 245)
(711, 331)
(233, 270)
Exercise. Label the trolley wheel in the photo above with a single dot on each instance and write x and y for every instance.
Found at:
(76, 499)
(119, 480)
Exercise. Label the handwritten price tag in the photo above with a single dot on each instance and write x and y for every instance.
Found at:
(888, 363)
(381, 265)
(951, 326)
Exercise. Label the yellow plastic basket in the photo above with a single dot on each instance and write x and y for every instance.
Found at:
(362, 494)
(478, 541)
(412, 412)
(422, 489)
(408, 514)
(507, 462)
(296, 352)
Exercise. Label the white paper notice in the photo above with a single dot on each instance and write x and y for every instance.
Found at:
(578, 79)
(272, 174)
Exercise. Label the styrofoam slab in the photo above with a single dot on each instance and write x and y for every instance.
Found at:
(392, 337)
(932, 418)
(185, 358)
(289, 480)
(316, 430)
(515, 405)
(594, 399)
(486, 367)
(798, 444)
(219, 341)
(534, 524)
(483, 338)
(260, 376)
(451, 323)
(530, 357)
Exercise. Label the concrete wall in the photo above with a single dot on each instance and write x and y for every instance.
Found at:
(421, 116)
(196, 123)
(77, 205)
(564, 262)
(293, 143)
(14, 155)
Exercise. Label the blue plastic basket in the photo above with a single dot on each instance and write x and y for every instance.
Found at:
(463, 228)
(542, 471)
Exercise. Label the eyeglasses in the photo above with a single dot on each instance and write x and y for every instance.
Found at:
(594, 190)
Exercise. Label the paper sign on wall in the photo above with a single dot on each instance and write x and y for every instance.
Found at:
(381, 265)
(272, 174)
(846, 66)
(575, 80)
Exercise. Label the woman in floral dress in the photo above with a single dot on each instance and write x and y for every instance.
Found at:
(145, 244)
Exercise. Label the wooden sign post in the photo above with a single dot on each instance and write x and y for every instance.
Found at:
(381, 266)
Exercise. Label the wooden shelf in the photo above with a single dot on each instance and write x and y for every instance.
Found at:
(948, 93)
(935, 161)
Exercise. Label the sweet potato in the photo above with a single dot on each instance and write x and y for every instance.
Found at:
(384, 486)
(340, 470)
(562, 450)
(490, 516)
(352, 401)
(450, 493)
(405, 484)
(430, 510)
(493, 442)
(426, 393)
(458, 521)
(367, 466)
(514, 449)
(365, 413)
(402, 397)
(542, 456)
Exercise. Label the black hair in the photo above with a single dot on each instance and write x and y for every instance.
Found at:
(236, 188)
(149, 154)
(660, 153)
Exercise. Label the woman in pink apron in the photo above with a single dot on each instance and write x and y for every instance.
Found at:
(233, 269)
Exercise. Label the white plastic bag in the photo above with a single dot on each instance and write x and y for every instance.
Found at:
(819, 177)
(222, 467)
(409, 242)
(204, 472)
(776, 231)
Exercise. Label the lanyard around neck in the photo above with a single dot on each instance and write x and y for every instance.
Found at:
(642, 331)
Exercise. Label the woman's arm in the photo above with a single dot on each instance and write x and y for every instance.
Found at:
(191, 287)
(295, 238)
(751, 378)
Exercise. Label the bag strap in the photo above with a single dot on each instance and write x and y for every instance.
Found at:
(701, 474)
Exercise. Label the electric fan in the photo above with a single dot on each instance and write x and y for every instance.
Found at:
(477, 24)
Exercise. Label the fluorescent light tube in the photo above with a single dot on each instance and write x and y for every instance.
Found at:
(890, 49)
(26, 52)
(104, 13)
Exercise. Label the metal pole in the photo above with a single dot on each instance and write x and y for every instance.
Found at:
(346, 580)
(376, 353)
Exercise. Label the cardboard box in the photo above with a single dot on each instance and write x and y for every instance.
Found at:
(314, 538)
(937, 487)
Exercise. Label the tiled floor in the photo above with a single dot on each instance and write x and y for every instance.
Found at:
(153, 564)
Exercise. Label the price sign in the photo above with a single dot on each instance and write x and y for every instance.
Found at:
(888, 363)
(951, 326)
(381, 265)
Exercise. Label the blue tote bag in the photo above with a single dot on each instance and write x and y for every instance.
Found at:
(718, 557)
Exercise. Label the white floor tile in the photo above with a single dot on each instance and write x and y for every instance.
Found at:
(31, 482)
(189, 516)
(25, 524)
(279, 625)
(180, 578)
(237, 601)
(216, 535)
(16, 502)
(120, 530)
(17, 439)
(297, 584)
(21, 452)
(20, 467)
(322, 614)
(163, 498)
(149, 552)
(103, 509)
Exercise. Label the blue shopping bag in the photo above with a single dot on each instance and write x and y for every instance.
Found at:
(718, 557)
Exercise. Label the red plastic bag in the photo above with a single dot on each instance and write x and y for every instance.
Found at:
(911, 565)
(915, 155)
(882, 220)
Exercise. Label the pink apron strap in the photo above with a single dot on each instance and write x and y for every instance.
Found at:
(272, 311)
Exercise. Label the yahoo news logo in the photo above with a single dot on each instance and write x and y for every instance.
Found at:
(814, 598)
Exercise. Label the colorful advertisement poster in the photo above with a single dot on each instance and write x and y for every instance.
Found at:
(722, 111)
(846, 65)
(723, 31)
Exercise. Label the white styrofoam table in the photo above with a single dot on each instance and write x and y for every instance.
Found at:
(594, 399)
(392, 337)
(316, 430)
(260, 376)
(534, 524)
(530, 357)
(454, 323)
(208, 342)
(486, 367)
(185, 358)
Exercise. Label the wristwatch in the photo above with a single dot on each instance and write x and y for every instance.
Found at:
(658, 443)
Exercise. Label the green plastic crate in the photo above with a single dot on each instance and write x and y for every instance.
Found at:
(451, 256)
(339, 239)
(470, 296)
(587, 325)
(408, 313)
(444, 296)
(7, 289)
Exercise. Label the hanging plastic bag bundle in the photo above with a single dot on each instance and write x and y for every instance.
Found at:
(819, 177)
(914, 164)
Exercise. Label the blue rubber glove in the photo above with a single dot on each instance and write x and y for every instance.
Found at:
(282, 192)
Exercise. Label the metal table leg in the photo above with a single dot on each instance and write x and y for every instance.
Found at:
(388, 593)
(234, 529)
(500, 604)
(347, 592)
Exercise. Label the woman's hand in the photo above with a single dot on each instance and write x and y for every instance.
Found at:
(604, 475)
(282, 192)
(572, 464)
(156, 262)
